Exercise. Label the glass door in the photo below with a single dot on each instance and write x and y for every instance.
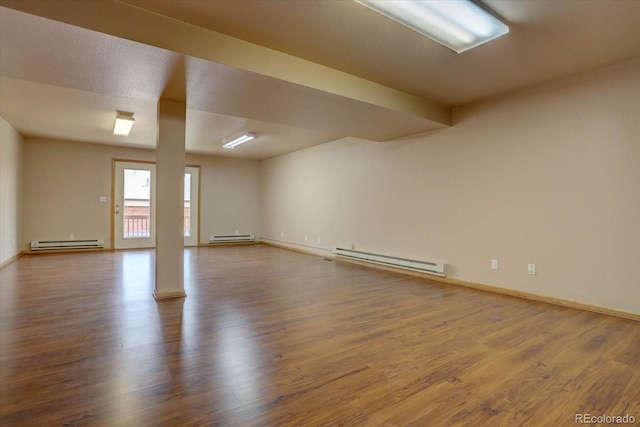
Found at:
(191, 198)
(134, 205)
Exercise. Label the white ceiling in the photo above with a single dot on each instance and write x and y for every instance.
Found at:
(348, 71)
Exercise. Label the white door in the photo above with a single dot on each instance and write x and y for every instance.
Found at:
(134, 205)
(191, 198)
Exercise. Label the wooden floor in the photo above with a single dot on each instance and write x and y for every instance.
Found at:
(268, 337)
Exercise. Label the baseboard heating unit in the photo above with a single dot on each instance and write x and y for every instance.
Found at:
(235, 238)
(44, 245)
(436, 268)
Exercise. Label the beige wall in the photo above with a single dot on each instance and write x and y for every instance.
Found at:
(64, 180)
(230, 196)
(11, 162)
(550, 175)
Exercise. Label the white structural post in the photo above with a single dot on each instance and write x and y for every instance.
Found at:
(170, 158)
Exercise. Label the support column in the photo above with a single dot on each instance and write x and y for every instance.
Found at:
(170, 158)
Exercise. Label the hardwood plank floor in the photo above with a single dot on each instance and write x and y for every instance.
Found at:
(269, 337)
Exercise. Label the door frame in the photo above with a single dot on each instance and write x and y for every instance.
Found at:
(113, 197)
(113, 194)
(197, 172)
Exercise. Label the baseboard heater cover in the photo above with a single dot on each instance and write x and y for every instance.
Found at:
(232, 238)
(43, 245)
(436, 268)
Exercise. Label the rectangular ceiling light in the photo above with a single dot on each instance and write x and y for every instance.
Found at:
(124, 123)
(457, 24)
(240, 140)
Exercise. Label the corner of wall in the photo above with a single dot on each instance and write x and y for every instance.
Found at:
(11, 201)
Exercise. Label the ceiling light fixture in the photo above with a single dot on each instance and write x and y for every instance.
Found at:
(124, 123)
(240, 140)
(457, 24)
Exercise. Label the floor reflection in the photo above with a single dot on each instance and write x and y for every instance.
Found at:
(238, 356)
(137, 274)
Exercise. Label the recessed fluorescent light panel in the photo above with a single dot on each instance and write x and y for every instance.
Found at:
(124, 123)
(240, 140)
(457, 24)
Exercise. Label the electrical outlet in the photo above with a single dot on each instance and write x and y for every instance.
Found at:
(237, 232)
(281, 234)
(531, 269)
(318, 239)
(494, 264)
(306, 238)
(72, 236)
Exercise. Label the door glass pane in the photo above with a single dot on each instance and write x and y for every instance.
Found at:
(137, 204)
(187, 204)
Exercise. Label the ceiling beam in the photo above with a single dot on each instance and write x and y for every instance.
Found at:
(139, 25)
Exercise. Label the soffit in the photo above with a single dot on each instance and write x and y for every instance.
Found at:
(547, 40)
(65, 82)
(307, 72)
